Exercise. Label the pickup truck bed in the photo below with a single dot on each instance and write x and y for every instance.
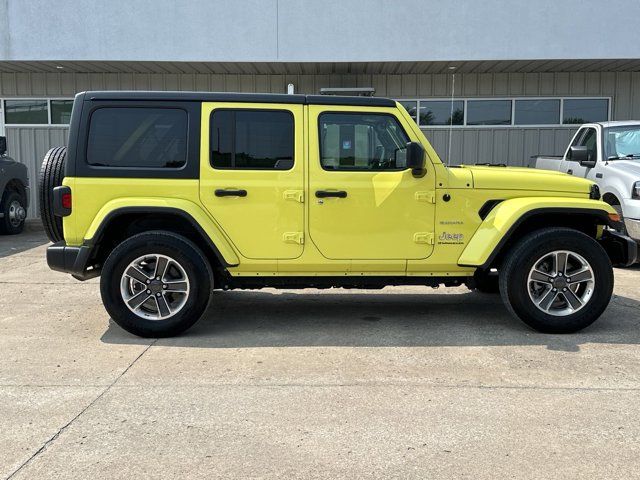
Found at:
(545, 162)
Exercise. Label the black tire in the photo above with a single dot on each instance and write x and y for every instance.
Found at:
(485, 283)
(190, 259)
(9, 224)
(51, 176)
(514, 284)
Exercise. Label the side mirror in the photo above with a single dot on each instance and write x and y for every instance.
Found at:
(588, 163)
(583, 155)
(3, 145)
(415, 158)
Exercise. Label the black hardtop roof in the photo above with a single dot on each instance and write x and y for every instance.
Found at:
(164, 96)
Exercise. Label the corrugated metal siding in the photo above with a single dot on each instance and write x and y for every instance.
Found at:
(29, 145)
(513, 146)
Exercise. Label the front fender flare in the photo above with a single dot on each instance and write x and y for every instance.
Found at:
(506, 216)
(188, 210)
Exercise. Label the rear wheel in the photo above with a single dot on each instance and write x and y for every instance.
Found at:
(557, 280)
(156, 284)
(14, 213)
(51, 176)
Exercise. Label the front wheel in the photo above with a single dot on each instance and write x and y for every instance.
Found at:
(156, 284)
(557, 280)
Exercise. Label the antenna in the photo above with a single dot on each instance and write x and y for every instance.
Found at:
(453, 92)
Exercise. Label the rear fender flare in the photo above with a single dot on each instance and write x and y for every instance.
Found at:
(193, 213)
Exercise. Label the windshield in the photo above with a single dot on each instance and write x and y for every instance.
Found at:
(621, 142)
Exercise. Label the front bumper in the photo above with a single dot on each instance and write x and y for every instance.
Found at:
(74, 260)
(633, 228)
(622, 250)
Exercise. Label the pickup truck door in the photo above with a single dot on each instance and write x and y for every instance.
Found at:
(252, 176)
(364, 204)
(588, 137)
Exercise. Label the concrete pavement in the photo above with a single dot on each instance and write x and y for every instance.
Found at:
(403, 383)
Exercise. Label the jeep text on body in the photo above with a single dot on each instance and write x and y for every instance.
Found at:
(170, 195)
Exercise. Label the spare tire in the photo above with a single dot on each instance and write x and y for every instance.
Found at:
(51, 176)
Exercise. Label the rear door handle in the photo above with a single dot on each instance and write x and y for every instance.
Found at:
(222, 192)
(331, 193)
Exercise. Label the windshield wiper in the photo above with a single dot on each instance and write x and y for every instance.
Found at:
(624, 157)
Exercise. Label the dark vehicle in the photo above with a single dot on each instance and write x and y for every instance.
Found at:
(14, 186)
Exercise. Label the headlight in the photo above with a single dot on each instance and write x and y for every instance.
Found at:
(635, 191)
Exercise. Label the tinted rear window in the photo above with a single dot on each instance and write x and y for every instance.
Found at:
(138, 137)
(252, 139)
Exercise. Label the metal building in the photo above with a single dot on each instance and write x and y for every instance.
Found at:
(521, 73)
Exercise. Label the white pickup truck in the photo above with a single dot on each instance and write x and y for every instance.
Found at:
(609, 154)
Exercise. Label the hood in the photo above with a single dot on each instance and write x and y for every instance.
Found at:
(7, 160)
(629, 167)
(517, 178)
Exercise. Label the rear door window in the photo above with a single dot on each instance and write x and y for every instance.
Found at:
(252, 139)
(138, 137)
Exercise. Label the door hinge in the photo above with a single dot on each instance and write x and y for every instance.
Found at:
(423, 237)
(293, 237)
(426, 197)
(297, 195)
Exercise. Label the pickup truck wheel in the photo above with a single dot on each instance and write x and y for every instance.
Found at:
(557, 280)
(12, 222)
(156, 284)
(51, 176)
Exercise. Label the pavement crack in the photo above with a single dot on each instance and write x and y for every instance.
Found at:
(53, 438)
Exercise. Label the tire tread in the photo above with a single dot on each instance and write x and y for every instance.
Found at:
(203, 285)
(537, 320)
(51, 176)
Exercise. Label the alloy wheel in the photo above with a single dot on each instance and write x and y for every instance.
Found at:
(561, 283)
(155, 287)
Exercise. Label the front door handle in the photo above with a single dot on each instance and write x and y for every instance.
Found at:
(331, 193)
(221, 192)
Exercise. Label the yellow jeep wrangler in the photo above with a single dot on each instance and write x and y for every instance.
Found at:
(168, 195)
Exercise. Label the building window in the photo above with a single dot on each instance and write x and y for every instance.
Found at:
(537, 112)
(585, 110)
(37, 111)
(251, 139)
(441, 112)
(61, 112)
(412, 108)
(26, 112)
(137, 137)
(489, 112)
(506, 112)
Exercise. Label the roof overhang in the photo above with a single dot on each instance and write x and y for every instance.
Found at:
(325, 68)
